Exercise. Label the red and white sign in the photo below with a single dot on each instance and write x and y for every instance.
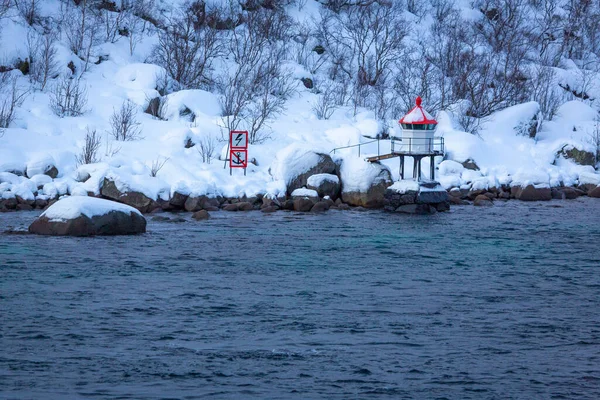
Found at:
(238, 158)
(238, 149)
(238, 140)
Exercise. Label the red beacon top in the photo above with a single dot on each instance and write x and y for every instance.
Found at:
(417, 118)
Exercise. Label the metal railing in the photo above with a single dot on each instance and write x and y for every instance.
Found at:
(357, 145)
(418, 145)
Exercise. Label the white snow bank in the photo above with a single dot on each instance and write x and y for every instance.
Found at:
(72, 207)
(405, 185)
(292, 161)
(318, 179)
(40, 164)
(303, 192)
(358, 175)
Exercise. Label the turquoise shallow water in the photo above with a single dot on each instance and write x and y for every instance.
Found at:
(478, 303)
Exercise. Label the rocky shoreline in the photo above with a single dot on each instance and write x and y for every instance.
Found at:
(313, 182)
(409, 201)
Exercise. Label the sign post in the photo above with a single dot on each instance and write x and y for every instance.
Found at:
(238, 150)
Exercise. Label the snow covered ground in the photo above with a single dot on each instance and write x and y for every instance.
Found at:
(39, 140)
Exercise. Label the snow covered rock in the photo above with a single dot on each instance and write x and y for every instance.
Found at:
(295, 164)
(432, 194)
(134, 199)
(88, 216)
(325, 185)
(580, 156)
(364, 184)
(42, 165)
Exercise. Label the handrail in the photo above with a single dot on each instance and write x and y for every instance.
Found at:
(357, 145)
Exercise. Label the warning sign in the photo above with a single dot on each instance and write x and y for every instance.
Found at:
(238, 140)
(238, 158)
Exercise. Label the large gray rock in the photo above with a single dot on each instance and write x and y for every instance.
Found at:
(178, 200)
(374, 196)
(88, 216)
(432, 196)
(531, 193)
(137, 200)
(323, 165)
(325, 185)
(594, 192)
(581, 157)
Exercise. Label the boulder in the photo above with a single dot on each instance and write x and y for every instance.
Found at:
(365, 185)
(295, 164)
(321, 206)
(269, 209)
(231, 207)
(137, 200)
(531, 193)
(581, 157)
(303, 204)
(595, 192)
(88, 216)
(195, 203)
(324, 185)
(178, 200)
(483, 201)
(201, 215)
(42, 165)
(305, 193)
(470, 164)
(245, 206)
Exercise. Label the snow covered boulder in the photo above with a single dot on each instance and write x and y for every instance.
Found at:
(363, 183)
(325, 185)
(88, 216)
(580, 156)
(295, 164)
(134, 199)
(432, 193)
(42, 165)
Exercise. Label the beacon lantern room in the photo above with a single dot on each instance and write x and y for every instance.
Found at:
(418, 129)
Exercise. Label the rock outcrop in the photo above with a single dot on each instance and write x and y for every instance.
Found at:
(137, 200)
(88, 216)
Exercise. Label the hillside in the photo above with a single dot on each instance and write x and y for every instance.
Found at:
(145, 92)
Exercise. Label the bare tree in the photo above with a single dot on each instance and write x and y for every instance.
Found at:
(157, 165)
(123, 123)
(594, 138)
(325, 104)
(206, 148)
(68, 97)
(11, 97)
(42, 57)
(186, 50)
(28, 9)
(83, 30)
(89, 150)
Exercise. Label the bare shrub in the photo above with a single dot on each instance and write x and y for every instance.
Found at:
(89, 150)
(157, 165)
(594, 138)
(28, 9)
(69, 97)
(123, 123)
(206, 148)
(325, 104)
(187, 51)
(83, 30)
(11, 97)
(42, 58)
(546, 92)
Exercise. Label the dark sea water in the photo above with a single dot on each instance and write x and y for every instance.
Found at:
(478, 303)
